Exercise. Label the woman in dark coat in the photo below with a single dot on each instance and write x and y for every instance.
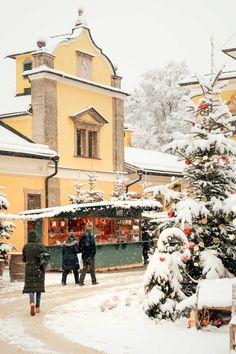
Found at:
(34, 276)
(70, 259)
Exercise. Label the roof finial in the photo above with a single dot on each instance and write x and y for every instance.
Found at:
(80, 19)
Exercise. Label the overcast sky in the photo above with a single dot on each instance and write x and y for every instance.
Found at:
(137, 35)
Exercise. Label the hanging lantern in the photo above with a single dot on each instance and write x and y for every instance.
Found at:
(170, 213)
(162, 259)
(187, 230)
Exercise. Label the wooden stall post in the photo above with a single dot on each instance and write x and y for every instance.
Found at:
(232, 327)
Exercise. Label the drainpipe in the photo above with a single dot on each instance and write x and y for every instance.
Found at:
(55, 159)
(140, 173)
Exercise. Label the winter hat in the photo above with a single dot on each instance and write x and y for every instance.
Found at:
(71, 238)
(33, 236)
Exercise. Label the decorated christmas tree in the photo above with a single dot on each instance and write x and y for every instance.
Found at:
(205, 215)
(163, 278)
(79, 196)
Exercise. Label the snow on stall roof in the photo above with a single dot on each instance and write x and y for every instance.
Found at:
(14, 104)
(153, 160)
(215, 293)
(230, 44)
(55, 211)
(11, 142)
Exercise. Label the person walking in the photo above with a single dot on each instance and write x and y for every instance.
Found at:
(87, 247)
(146, 245)
(70, 261)
(34, 275)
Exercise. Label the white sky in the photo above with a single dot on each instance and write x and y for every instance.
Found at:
(137, 35)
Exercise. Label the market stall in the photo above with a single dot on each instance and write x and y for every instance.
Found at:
(116, 226)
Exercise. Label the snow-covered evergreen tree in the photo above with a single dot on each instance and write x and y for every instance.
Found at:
(205, 215)
(119, 191)
(155, 106)
(90, 195)
(163, 277)
(6, 227)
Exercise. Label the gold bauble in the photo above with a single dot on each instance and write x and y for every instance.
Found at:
(204, 221)
(222, 226)
(231, 237)
(216, 240)
(201, 244)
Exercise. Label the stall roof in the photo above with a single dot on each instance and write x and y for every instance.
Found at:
(75, 210)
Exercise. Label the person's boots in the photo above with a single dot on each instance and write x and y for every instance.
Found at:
(32, 309)
(63, 280)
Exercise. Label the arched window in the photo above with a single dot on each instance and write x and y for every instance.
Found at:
(27, 65)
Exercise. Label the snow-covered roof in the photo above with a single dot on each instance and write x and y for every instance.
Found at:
(229, 47)
(14, 143)
(215, 293)
(13, 105)
(44, 68)
(153, 161)
(51, 43)
(193, 80)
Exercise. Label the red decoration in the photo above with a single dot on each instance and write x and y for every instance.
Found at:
(225, 159)
(162, 259)
(186, 258)
(170, 213)
(187, 162)
(191, 245)
(187, 230)
(203, 105)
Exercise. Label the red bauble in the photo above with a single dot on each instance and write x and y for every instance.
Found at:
(191, 245)
(170, 213)
(187, 162)
(162, 259)
(187, 230)
(186, 258)
(202, 105)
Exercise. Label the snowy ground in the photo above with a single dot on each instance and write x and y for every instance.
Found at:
(74, 315)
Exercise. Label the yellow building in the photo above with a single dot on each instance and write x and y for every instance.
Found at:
(69, 98)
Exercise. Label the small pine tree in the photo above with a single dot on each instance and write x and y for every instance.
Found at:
(163, 277)
(89, 195)
(78, 198)
(119, 191)
(6, 227)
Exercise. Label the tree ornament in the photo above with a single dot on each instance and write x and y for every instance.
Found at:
(170, 213)
(201, 244)
(186, 258)
(204, 221)
(187, 162)
(196, 264)
(162, 259)
(222, 226)
(216, 240)
(187, 230)
(234, 221)
(202, 105)
(191, 245)
(232, 237)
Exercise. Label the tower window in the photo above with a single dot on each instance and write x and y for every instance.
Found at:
(27, 65)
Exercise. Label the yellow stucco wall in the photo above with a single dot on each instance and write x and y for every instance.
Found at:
(72, 100)
(66, 58)
(128, 136)
(14, 187)
(23, 124)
